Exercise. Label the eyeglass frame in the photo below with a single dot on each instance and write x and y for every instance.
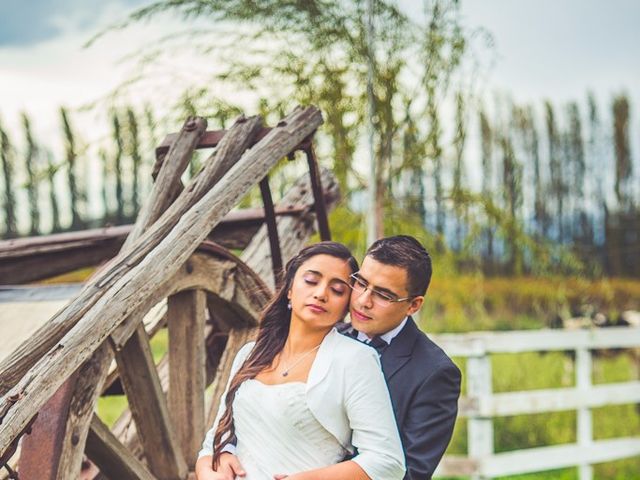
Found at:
(358, 279)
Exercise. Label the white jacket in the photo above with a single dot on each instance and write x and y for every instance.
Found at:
(347, 394)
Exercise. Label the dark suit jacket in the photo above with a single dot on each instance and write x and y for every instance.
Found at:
(424, 385)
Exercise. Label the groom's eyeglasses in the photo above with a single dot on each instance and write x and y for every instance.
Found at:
(379, 297)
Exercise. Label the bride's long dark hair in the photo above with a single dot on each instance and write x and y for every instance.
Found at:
(272, 335)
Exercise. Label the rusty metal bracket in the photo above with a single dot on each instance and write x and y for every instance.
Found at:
(4, 459)
(272, 229)
(318, 195)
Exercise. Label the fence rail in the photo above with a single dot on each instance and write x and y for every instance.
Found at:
(481, 405)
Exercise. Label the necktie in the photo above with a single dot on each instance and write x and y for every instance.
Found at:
(379, 344)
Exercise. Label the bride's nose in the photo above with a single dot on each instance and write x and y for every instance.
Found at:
(320, 293)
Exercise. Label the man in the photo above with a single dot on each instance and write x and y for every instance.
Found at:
(423, 382)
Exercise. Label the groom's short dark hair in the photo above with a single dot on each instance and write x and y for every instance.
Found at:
(405, 252)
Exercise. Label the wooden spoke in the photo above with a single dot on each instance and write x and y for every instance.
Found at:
(114, 460)
(149, 408)
(86, 390)
(187, 358)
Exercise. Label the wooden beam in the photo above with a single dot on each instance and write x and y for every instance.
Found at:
(14, 367)
(149, 408)
(86, 390)
(187, 364)
(112, 458)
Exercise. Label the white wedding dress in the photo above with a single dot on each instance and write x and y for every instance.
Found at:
(277, 433)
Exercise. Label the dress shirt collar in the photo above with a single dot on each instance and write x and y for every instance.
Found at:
(387, 337)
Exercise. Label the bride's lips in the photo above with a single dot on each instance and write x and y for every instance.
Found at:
(316, 308)
(359, 316)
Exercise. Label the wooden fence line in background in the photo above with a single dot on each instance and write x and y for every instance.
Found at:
(481, 405)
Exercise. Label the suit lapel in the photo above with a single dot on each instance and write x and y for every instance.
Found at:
(399, 350)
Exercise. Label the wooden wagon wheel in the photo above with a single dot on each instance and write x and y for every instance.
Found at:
(233, 305)
(234, 295)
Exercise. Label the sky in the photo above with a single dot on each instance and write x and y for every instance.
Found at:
(543, 49)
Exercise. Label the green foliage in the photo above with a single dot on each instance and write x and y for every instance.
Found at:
(9, 201)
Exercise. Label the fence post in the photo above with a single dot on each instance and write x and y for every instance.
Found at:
(480, 429)
(585, 427)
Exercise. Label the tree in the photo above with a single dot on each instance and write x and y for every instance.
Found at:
(486, 145)
(117, 162)
(133, 145)
(596, 163)
(52, 169)
(458, 168)
(624, 168)
(580, 225)
(31, 163)
(556, 183)
(71, 160)
(9, 204)
(318, 52)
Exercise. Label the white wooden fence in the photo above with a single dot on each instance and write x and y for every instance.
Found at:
(481, 405)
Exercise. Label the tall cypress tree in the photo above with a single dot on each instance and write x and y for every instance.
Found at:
(622, 145)
(104, 161)
(71, 160)
(596, 170)
(512, 195)
(9, 203)
(52, 169)
(459, 141)
(556, 182)
(31, 163)
(580, 226)
(117, 162)
(486, 139)
(136, 159)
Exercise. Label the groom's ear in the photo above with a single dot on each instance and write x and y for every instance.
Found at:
(415, 305)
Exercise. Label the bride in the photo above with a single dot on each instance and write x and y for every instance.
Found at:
(302, 397)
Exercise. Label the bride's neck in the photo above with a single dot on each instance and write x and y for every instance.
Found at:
(301, 339)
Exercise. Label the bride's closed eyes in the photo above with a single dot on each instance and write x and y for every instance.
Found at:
(337, 286)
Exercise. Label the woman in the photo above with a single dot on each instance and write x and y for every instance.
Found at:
(303, 396)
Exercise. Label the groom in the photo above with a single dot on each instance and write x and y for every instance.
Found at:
(423, 382)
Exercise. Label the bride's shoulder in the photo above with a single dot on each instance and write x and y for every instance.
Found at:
(351, 349)
(243, 353)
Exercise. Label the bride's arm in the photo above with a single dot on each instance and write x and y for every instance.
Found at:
(375, 434)
(207, 445)
(348, 470)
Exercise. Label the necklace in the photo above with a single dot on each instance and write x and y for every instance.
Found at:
(288, 368)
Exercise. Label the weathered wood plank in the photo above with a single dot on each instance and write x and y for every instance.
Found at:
(29, 259)
(130, 290)
(163, 191)
(112, 458)
(187, 363)
(14, 367)
(296, 231)
(149, 408)
(86, 390)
